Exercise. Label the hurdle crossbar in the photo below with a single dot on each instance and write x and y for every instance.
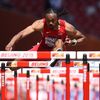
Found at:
(48, 54)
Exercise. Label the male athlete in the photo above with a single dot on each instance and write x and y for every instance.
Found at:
(55, 33)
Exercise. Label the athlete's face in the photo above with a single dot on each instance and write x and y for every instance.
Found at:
(51, 20)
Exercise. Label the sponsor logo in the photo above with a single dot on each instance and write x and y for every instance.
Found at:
(94, 55)
(58, 55)
(39, 64)
(47, 32)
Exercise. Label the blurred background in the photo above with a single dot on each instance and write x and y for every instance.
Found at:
(15, 15)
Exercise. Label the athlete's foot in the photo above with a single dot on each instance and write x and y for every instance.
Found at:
(14, 68)
(12, 65)
(54, 62)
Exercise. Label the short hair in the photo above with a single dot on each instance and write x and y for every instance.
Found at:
(59, 14)
(50, 10)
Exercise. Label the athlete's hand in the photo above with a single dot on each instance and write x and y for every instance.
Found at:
(67, 41)
(9, 47)
(72, 42)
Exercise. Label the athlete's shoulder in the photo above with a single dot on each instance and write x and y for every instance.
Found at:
(62, 22)
(39, 21)
(61, 19)
(38, 24)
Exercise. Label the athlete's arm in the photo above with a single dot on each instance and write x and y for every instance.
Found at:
(36, 26)
(75, 35)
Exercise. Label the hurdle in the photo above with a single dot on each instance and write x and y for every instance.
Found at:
(85, 77)
(68, 65)
(15, 86)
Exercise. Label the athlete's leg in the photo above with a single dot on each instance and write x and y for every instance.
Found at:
(58, 47)
(13, 64)
(35, 47)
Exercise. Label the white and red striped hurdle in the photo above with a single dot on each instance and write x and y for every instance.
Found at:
(42, 64)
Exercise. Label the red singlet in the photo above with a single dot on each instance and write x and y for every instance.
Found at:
(49, 37)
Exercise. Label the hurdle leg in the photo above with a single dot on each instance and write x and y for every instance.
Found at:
(48, 79)
(37, 87)
(86, 80)
(3, 81)
(28, 86)
(15, 86)
(62, 83)
(48, 96)
(99, 81)
(53, 90)
(67, 77)
(67, 82)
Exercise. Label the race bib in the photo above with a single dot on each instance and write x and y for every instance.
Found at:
(50, 41)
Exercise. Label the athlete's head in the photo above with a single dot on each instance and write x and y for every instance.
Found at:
(51, 18)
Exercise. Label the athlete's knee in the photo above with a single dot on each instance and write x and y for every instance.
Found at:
(58, 44)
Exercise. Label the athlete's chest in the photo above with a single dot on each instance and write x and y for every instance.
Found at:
(60, 31)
